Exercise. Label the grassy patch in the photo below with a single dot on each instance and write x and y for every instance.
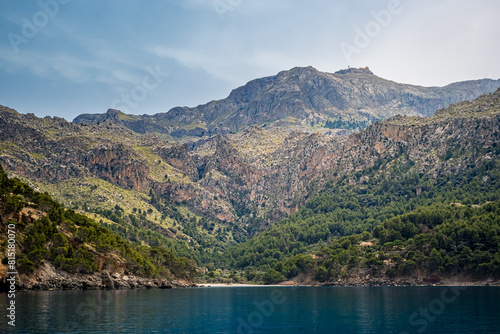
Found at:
(193, 126)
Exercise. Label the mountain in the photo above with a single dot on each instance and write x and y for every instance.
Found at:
(265, 197)
(240, 182)
(117, 177)
(301, 98)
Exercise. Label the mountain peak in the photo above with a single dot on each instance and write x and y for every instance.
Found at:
(113, 114)
(299, 70)
(304, 98)
(353, 70)
(113, 111)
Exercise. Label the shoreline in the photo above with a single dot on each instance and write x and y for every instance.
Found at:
(51, 280)
(174, 285)
(97, 281)
(234, 285)
(364, 283)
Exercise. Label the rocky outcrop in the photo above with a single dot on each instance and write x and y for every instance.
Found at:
(47, 277)
(178, 157)
(116, 166)
(103, 281)
(405, 281)
(53, 150)
(107, 281)
(265, 182)
(464, 129)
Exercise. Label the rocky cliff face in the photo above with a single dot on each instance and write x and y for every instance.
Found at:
(267, 182)
(51, 149)
(301, 97)
(116, 166)
(268, 173)
(451, 141)
(265, 174)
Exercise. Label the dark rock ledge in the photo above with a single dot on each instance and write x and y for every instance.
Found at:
(98, 281)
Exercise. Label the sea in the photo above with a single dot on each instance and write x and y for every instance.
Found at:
(398, 310)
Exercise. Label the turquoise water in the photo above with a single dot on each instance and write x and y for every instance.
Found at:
(259, 310)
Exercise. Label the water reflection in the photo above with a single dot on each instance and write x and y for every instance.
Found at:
(257, 310)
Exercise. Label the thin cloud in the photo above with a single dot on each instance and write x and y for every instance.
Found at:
(193, 59)
(94, 48)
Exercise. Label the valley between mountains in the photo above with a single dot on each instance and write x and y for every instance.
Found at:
(305, 177)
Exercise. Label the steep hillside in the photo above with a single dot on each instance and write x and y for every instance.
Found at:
(56, 248)
(114, 176)
(447, 244)
(363, 228)
(238, 183)
(271, 175)
(301, 98)
(365, 199)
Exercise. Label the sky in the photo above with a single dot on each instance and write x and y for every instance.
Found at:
(68, 57)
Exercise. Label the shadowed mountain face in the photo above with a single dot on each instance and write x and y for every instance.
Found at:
(301, 98)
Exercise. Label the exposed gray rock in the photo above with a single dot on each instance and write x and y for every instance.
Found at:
(301, 95)
(107, 280)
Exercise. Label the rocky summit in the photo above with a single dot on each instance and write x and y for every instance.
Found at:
(301, 98)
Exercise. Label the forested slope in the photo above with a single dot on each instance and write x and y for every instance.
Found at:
(413, 223)
(48, 234)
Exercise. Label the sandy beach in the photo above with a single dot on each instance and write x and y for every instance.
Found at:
(234, 285)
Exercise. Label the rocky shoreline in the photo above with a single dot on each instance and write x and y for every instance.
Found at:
(432, 280)
(397, 283)
(105, 281)
(98, 281)
(116, 281)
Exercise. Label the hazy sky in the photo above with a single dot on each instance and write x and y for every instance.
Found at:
(67, 57)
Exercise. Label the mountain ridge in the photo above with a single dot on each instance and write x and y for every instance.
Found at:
(301, 97)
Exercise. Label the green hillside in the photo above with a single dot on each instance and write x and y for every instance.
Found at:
(72, 242)
(393, 208)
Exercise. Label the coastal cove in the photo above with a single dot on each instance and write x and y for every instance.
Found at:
(260, 310)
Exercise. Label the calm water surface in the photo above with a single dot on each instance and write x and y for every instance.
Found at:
(258, 310)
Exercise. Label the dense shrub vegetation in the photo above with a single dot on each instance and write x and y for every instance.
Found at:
(437, 237)
(348, 124)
